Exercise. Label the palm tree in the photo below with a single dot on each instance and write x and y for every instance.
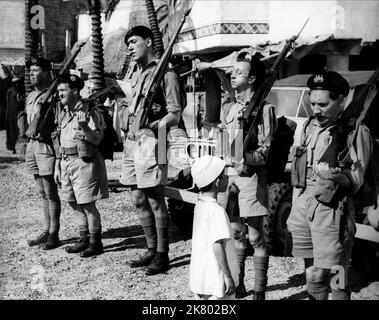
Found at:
(31, 40)
(158, 26)
(97, 45)
(153, 21)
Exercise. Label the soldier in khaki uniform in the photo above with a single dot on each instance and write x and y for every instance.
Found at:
(80, 167)
(248, 174)
(40, 157)
(322, 232)
(141, 166)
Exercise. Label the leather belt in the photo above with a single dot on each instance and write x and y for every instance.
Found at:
(69, 151)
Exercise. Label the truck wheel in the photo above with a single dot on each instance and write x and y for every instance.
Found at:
(275, 227)
(180, 212)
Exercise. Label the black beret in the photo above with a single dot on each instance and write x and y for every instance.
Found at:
(40, 62)
(141, 31)
(73, 81)
(329, 80)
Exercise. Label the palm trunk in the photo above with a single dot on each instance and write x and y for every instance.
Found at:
(153, 21)
(31, 40)
(97, 46)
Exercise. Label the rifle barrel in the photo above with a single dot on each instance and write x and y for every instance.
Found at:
(301, 30)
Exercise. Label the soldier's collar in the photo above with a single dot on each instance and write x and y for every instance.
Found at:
(243, 98)
(76, 107)
(152, 63)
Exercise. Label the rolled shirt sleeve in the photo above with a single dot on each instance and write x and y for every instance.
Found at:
(172, 92)
(218, 226)
(96, 127)
(360, 151)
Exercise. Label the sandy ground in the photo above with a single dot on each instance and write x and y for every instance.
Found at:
(31, 273)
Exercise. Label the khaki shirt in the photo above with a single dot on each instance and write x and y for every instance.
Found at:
(140, 80)
(267, 124)
(32, 104)
(69, 125)
(317, 140)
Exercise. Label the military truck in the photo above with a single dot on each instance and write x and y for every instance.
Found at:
(290, 96)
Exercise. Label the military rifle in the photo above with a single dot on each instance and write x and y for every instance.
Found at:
(41, 118)
(147, 99)
(346, 123)
(250, 116)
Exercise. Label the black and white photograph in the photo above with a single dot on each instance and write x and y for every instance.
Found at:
(189, 150)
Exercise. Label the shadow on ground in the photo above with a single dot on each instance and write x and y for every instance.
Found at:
(186, 260)
(5, 161)
(134, 237)
(294, 281)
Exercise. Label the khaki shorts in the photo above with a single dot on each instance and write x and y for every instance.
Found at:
(140, 162)
(83, 182)
(39, 158)
(252, 197)
(321, 232)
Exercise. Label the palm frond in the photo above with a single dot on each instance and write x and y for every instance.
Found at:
(112, 4)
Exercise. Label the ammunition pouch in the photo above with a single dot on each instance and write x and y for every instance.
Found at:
(299, 167)
(123, 115)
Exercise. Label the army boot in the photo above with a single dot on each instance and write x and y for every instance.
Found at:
(81, 245)
(145, 260)
(52, 242)
(41, 239)
(95, 246)
(160, 264)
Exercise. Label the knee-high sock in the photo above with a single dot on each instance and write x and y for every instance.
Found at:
(162, 232)
(261, 267)
(147, 221)
(45, 206)
(341, 294)
(318, 290)
(241, 257)
(94, 220)
(55, 213)
(81, 220)
(54, 203)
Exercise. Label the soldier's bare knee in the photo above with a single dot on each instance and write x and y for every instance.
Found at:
(255, 239)
(314, 274)
(155, 205)
(139, 199)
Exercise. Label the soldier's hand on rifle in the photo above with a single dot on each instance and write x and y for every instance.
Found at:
(83, 119)
(156, 108)
(323, 170)
(154, 125)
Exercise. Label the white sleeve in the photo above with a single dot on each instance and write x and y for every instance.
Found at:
(219, 225)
